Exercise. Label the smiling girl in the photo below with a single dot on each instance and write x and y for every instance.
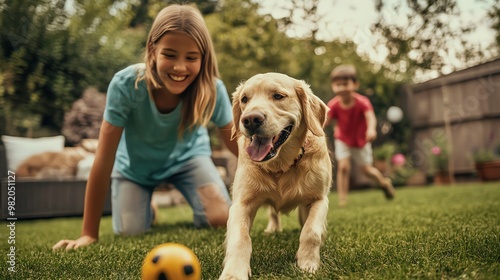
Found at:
(154, 131)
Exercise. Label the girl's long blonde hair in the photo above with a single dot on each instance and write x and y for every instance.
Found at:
(199, 98)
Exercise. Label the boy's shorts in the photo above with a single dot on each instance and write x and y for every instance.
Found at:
(360, 155)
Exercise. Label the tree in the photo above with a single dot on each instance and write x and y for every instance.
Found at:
(494, 16)
(50, 52)
(246, 43)
(62, 51)
(424, 41)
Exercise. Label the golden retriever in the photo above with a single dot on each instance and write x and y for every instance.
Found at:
(283, 162)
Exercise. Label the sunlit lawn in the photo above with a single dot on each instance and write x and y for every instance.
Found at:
(448, 232)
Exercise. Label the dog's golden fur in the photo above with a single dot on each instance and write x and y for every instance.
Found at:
(299, 175)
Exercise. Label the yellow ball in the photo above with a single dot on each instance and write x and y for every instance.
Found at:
(171, 261)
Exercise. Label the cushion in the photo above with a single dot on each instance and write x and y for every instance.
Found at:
(90, 145)
(17, 149)
(84, 166)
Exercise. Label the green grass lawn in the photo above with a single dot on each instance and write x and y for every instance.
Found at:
(448, 232)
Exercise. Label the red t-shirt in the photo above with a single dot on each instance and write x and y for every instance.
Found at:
(351, 124)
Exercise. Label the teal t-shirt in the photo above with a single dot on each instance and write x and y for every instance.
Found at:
(150, 150)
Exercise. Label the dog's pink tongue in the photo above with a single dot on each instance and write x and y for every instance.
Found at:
(259, 148)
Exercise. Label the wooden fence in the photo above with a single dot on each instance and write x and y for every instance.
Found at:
(462, 108)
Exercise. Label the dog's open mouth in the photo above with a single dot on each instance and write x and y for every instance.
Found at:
(262, 149)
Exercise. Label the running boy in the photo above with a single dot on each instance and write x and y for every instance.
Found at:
(354, 130)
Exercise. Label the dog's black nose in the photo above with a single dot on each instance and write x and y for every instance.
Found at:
(253, 120)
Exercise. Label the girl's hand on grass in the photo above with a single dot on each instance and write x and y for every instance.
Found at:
(74, 244)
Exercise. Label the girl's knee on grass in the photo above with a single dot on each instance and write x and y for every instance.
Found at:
(215, 205)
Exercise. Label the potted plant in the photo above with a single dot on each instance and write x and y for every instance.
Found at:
(402, 170)
(381, 156)
(440, 165)
(487, 164)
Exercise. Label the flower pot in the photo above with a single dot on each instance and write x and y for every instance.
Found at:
(488, 170)
(442, 178)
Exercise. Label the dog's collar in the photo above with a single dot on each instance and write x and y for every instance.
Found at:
(302, 151)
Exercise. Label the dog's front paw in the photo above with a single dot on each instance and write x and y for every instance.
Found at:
(308, 261)
(308, 265)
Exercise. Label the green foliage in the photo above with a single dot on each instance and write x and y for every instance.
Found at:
(484, 155)
(246, 43)
(51, 52)
(425, 233)
(384, 152)
(424, 41)
(400, 175)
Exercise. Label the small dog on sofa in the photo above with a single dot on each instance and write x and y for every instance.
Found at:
(56, 164)
(283, 162)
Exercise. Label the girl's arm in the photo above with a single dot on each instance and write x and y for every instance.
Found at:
(99, 178)
(226, 136)
(97, 187)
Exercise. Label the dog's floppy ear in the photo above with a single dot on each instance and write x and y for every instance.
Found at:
(235, 131)
(313, 109)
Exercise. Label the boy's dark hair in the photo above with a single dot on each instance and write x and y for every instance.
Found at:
(344, 72)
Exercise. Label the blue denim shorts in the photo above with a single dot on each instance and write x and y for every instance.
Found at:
(131, 203)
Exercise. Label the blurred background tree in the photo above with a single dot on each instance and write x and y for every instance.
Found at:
(494, 20)
(433, 38)
(52, 50)
(246, 43)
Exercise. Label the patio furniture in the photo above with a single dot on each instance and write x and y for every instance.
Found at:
(43, 198)
(56, 197)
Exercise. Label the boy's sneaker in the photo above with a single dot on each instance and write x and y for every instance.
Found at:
(388, 189)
